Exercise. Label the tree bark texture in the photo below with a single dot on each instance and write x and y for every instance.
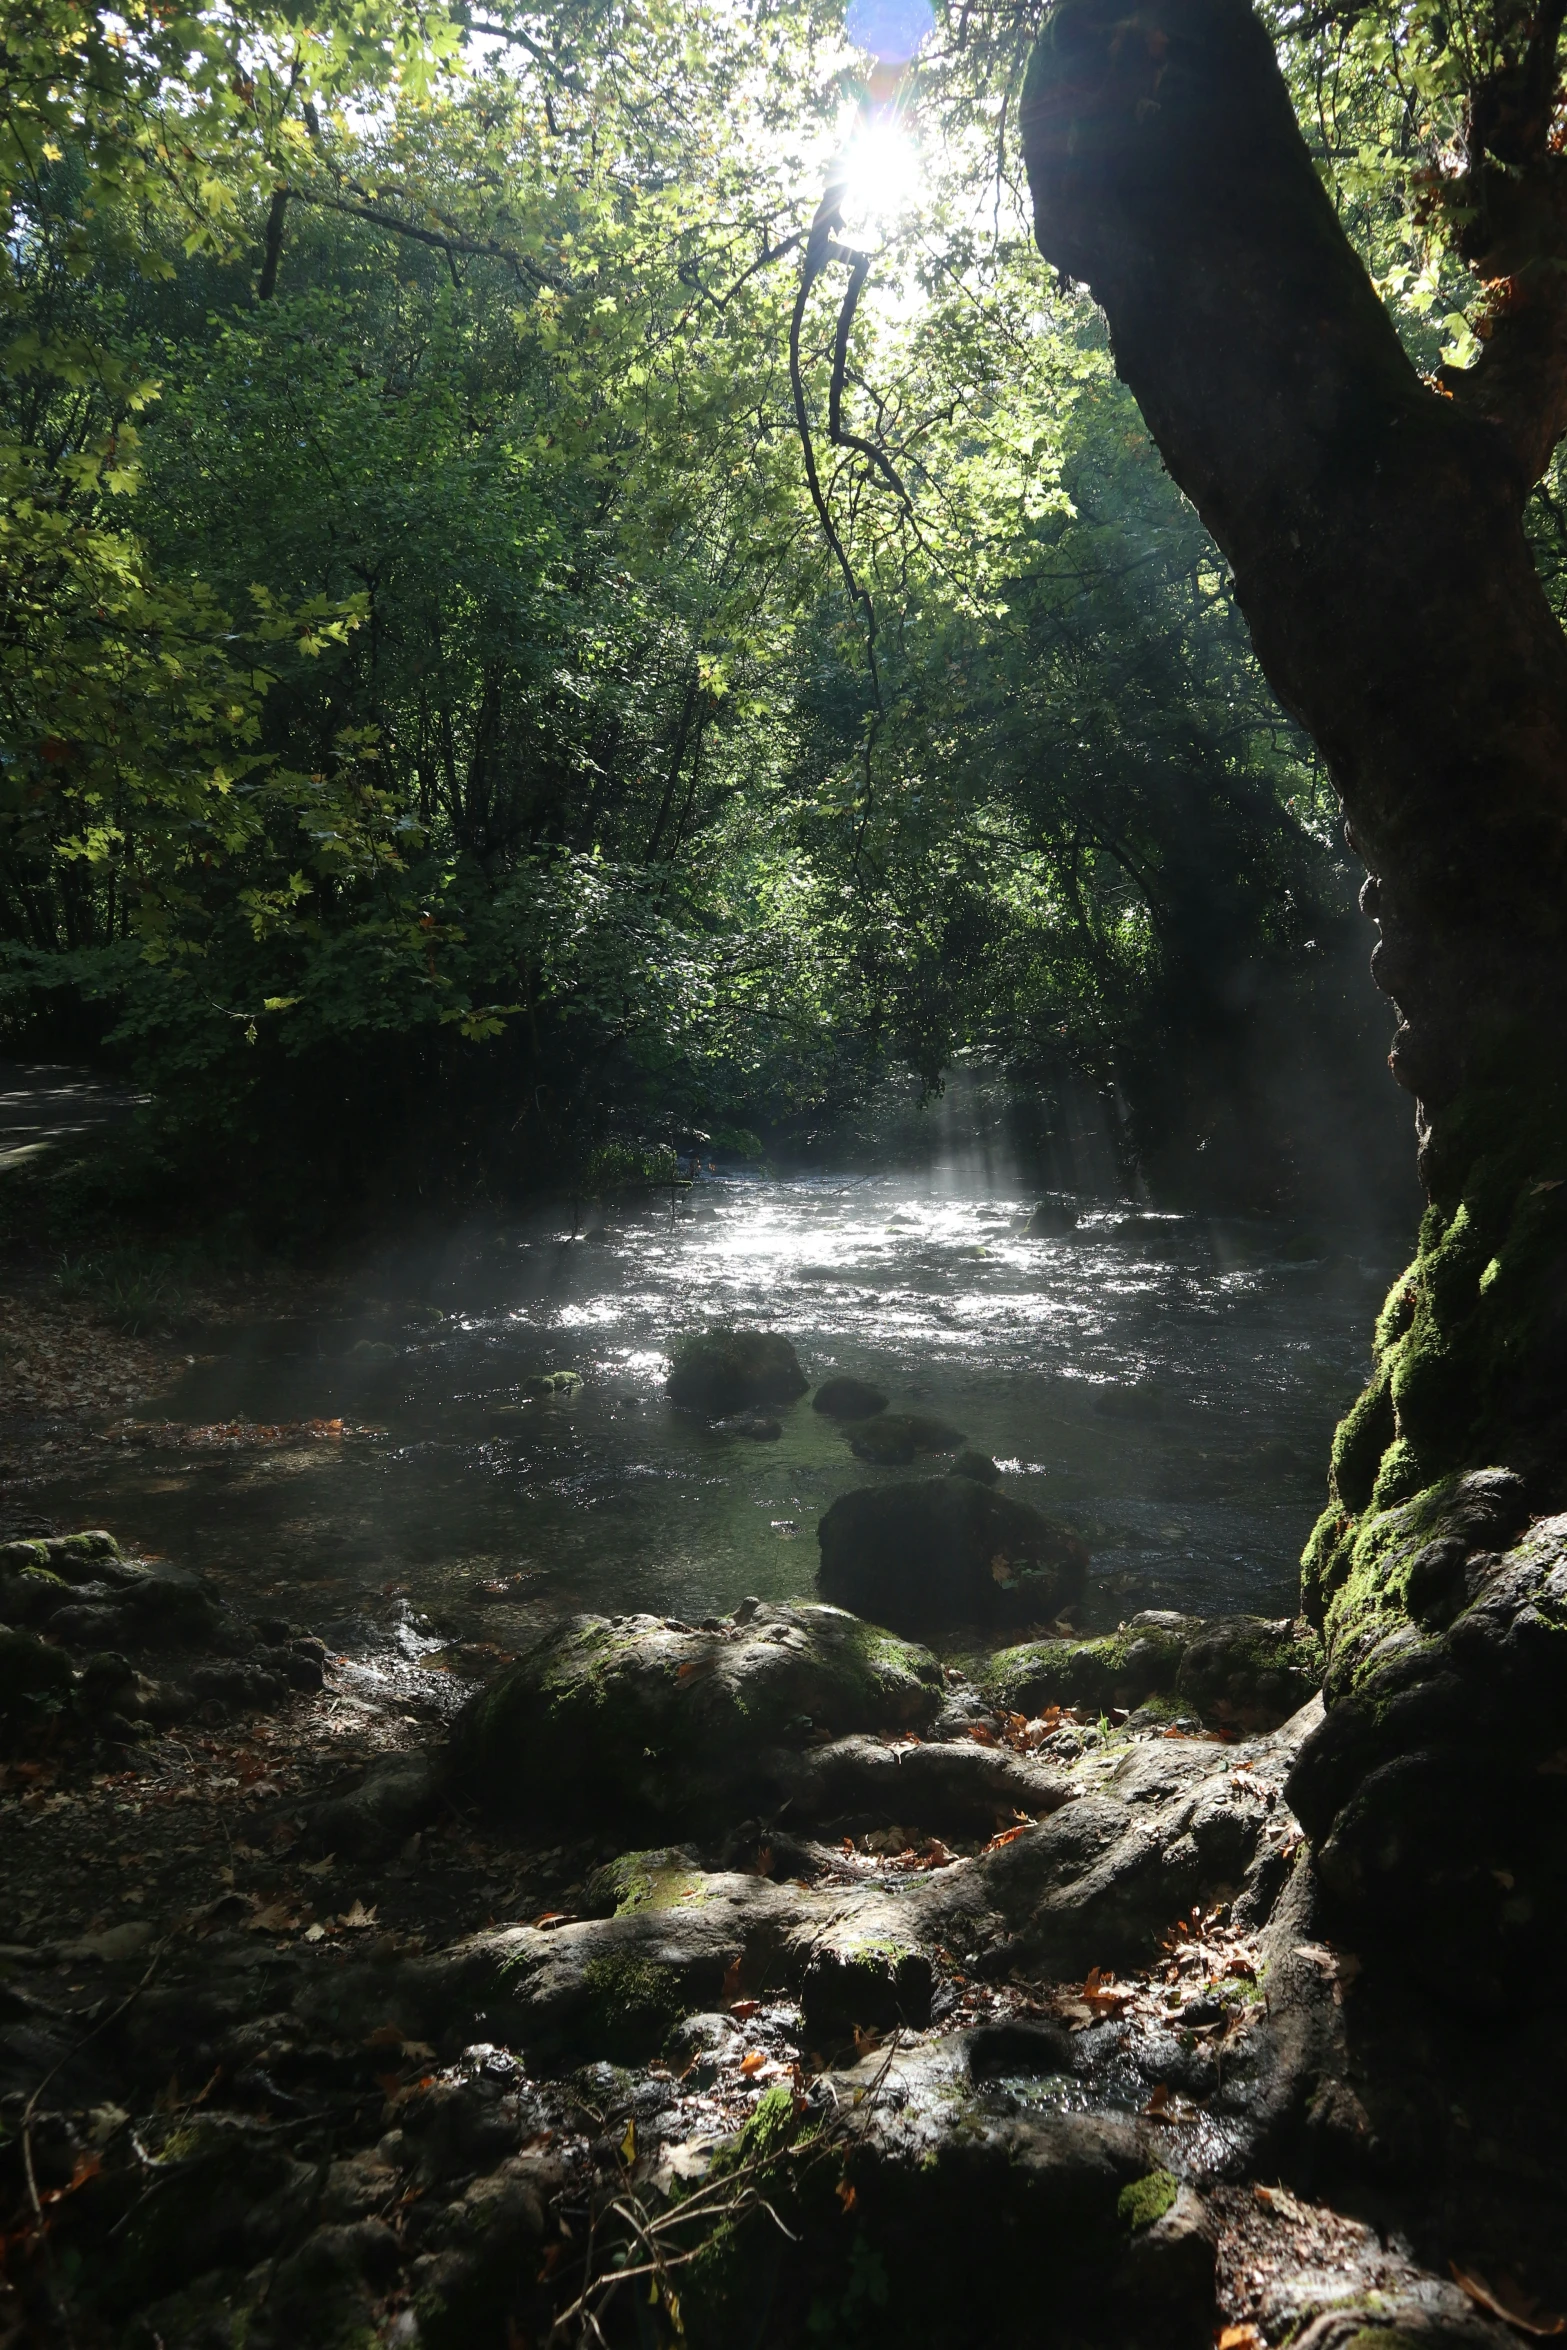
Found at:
(1373, 524)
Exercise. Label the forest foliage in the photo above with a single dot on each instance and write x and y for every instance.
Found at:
(433, 704)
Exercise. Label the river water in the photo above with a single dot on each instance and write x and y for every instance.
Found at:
(1166, 1385)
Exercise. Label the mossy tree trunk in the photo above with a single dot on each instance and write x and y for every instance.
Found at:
(1373, 524)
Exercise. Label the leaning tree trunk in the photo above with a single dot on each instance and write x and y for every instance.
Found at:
(1373, 526)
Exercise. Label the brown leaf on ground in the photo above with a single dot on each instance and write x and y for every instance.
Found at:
(276, 1918)
(1508, 2301)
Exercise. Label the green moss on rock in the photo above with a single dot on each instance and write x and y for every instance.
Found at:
(633, 2005)
(1122, 1669)
(1146, 2199)
(665, 1877)
(636, 1719)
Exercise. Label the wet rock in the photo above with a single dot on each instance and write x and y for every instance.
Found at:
(1244, 1672)
(848, 1399)
(977, 1465)
(945, 1551)
(894, 1440)
(1053, 1219)
(634, 1717)
(733, 1370)
(400, 1793)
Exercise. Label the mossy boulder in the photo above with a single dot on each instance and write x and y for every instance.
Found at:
(945, 1551)
(1121, 1670)
(1246, 1673)
(894, 1440)
(848, 1399)
(75, 1558)
(635, 1718)
(732, 1370)
(1233, 1672)
(661, 1878)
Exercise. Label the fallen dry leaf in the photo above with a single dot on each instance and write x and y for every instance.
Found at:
(276, 1918)
(1239, 2338)
(1509, 2302)
(752, 2061)
(357, 1916)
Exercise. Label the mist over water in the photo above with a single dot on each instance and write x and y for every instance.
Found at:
(1165, 1384)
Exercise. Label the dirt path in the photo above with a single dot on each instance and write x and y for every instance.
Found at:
(43, 1103)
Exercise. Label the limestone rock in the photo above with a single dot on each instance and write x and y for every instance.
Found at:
(634, 1717)
(1053, 1219)
(1120, 1670)
(1243, 1672)
(733, 1370)
(977, 1465)
(892, 1441)
(945, 1551)
(848, 1399)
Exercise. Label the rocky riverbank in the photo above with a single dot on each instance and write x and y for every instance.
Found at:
(771, 1978)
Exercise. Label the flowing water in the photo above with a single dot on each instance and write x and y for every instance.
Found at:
(1166, 1385)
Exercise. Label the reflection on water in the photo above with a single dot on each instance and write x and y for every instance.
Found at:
(1167, 1385)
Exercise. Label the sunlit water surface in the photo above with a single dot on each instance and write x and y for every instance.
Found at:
(1166, 1385)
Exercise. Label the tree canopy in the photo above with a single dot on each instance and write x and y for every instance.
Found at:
(574, 560)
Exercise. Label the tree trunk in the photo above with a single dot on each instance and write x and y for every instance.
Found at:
(1373, 525)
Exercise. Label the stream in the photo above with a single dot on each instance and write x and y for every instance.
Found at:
(1165, 1384)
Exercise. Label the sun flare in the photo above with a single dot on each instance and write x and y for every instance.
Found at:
(882, 175)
